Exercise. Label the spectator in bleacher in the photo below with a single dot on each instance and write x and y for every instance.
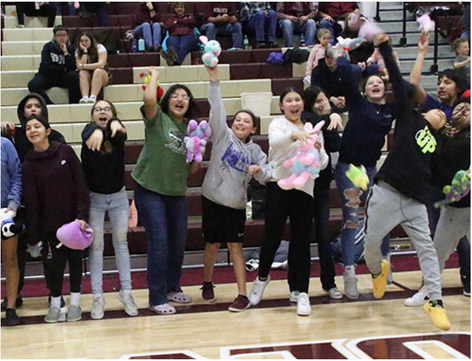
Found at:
(259, 19)
(147, 25)
(221, 18)
(462, 60)
(103, 152)
(182, 39)
(235, 159)
(297, 18)
(159, 190)
(317, 53)
(370, 120)
(330, 13)
(285, 133)
(35, 9)
(11, 200)
(30, 104)
(98, 8)
(57, 67)
(72, 7)
(317, 109)
(91, 58)
(55, 193)
(326, 76)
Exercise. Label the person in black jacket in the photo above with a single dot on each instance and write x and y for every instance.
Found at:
(103, 153)
(399, 194)
(316, 109)
(31, 104)
(57, 67)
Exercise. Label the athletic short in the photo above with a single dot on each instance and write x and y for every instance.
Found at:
(222, 224)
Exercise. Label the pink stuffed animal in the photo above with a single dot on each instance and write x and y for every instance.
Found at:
(426, 25)
(195, 142)
(369, 29)
(306, 163)
(73, 237)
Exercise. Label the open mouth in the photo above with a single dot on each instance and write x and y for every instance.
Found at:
(102, 119)
(179, 106)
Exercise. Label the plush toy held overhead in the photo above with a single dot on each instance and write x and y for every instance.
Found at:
(195, 142)
(147, 79)
(212, 51)
(426, 25)
(358, 176)
(73, 237)
(344, 46)
(369, 29)
(306, 163)
(458, 189)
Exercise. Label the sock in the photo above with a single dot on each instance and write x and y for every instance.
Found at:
(56, 302)
(349, 271)
(75, 299)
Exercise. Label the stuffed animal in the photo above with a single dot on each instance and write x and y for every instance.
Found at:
(344, 46)
(147, 79)
(195, 142)
(306, 163)
(73, 237)
(458, 189)
(212, 51)
(358, 176)
(11, 229)
(369, 29)
(426, 25)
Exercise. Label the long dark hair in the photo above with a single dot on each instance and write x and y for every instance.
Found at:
(310, 95)
(191, 102)
(92, 50)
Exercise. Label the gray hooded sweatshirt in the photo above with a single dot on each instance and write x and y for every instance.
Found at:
(226, 180)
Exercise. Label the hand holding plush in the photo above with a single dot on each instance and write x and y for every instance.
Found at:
(212, 51)
(458, 189)
(358, 176)
(73, 237)
(306, 163)
(147, 79)
(426, 25)
(195, 142)
(369, 29)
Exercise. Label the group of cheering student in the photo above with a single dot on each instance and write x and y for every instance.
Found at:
(429, 148)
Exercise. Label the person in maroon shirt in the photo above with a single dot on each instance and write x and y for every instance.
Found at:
(55, 193)
(331, 12)
(181, 36)
(297, 18)
(147, 24)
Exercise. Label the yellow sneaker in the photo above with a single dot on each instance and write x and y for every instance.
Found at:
(437, 313)
(379, 282)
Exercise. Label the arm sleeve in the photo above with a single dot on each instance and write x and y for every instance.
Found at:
(70, 59)
(217, 110)
(47, 65)
(31, 199)
(14, 170)
(353, 96)
(83, 194)
(119, 138)
(260, 158)
(88, 130)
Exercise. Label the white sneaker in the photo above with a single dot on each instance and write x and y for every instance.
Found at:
(294, 296)
(98, 307)
(127, 299)
(350, 286)
(418, 299)
(334, 293)
(84, 99)
(303, 305)
(255, 296)
(92, 99)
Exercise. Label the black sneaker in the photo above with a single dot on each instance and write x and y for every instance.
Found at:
(12, 318)
(466, 285)
(18, 303)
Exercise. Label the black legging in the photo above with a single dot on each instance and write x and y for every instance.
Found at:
(29, 9)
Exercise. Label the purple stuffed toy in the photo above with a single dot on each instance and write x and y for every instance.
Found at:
(195, 142)
(73, 237)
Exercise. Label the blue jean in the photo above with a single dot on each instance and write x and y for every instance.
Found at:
(263, 24)
(183, 44)
(351, 200)
(165, 220)
(233, 29)
(294, 27)
(116, 204)
(151, 38)
(329, 24)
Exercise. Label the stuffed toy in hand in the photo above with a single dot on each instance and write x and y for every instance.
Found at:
(369, 29)
(73, 237)
(458, 189)
(195, 142)
(147, 79)
(426, 25)
(306, 163)
(344, 46)
(358, 176)
(212, 51)
(11, 229)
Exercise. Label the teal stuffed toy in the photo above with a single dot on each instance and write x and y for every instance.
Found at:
(212, 51)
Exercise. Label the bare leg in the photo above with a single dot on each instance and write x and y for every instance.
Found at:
(10, 261)
(209, 259)
(239, 265)
(99, 80)
(84, 80)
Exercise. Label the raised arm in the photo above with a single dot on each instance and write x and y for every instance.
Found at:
(150, 101)
(217, 108)
(415, 74)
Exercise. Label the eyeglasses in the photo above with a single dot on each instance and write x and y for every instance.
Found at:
(177, 96)
(100, 109)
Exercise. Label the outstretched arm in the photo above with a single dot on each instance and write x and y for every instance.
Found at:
(415, 74)
(150, 100)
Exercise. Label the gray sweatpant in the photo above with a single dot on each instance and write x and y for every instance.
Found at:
(453, 224)
(386, 208)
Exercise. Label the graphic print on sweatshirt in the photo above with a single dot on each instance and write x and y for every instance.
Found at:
(425, 140)
(234, 158)
(59, 59)
(176, 141)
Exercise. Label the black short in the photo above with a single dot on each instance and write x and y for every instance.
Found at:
(222, 224)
